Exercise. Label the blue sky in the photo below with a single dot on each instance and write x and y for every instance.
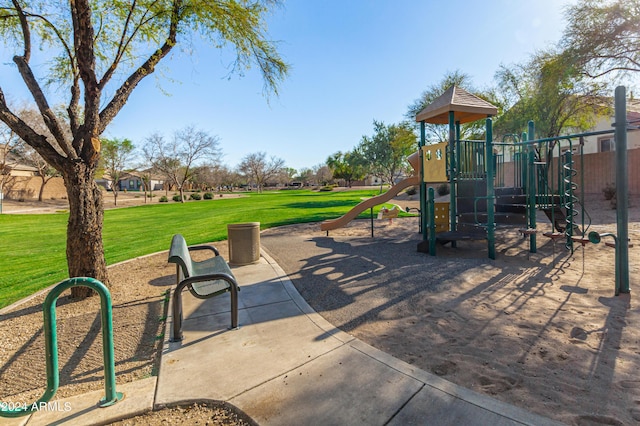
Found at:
(352, 61)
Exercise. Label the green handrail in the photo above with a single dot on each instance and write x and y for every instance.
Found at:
(51, 347)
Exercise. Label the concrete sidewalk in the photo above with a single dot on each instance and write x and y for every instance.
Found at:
(286, 365)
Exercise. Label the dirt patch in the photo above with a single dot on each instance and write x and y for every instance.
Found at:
(542, 330)
(139, 296)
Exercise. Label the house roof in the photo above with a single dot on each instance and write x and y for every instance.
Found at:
(137, 174)
(13, 163)
(465, 106)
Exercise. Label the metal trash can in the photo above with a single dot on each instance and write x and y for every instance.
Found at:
(244, 243)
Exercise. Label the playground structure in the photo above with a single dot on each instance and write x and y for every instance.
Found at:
(434, 171)
(369, 203)
(51, 349)
(487, 191)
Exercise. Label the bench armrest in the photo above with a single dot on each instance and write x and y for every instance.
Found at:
(176, 331)
(204, 247)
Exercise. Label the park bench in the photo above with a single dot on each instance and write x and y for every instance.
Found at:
(204, 279)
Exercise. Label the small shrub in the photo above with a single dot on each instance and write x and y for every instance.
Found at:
(411, 190)
(176, 198)
(195, 196)
(163, 199)
(208, 196)
(326, 188)
(442, 189)
(609, 191)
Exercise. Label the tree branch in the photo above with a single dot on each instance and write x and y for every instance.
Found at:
(48, 115)
(27, 134)
(122, 46)
(122, 94)
(26, 32)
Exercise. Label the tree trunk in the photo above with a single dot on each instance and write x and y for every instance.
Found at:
(85, 252)
(41, 192)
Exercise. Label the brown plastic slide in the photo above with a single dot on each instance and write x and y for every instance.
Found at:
(367, 204)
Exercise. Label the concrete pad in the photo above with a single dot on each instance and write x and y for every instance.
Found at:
(14, 421)
(312, 315)
(442, 402)
(287, 365)
(342, 387)
(83, 409)
(272, 340)
(439, 408)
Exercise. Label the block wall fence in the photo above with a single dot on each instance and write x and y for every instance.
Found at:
(599, 171)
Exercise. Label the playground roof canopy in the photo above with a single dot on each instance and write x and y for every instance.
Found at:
(466, 108)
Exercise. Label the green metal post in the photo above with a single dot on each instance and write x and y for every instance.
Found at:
(622, 188)
(532, 192)
(452, 172)
(524, 160)
(423, 184)
(491, 225)
(51, 345)
(432, 222)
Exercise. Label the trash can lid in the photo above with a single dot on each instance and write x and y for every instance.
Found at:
(243, 225)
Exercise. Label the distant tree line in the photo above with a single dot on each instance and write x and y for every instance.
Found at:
(191, 160)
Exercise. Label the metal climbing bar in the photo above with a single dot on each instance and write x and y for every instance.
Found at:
(568, 173)
(568, 137)
(51, 346)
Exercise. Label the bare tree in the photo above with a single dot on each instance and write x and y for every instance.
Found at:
(8, 143)
(322, 174)
(116, 153)
(177, 159)
(45, 172)
(258, 170)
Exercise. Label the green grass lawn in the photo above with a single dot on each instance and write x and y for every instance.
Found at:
(33, 247)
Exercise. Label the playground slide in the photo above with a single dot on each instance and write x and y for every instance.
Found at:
(367, 204)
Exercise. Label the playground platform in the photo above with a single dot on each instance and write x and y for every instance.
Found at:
(286, 365)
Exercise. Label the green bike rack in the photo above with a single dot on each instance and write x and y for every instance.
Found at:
(51, 346)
